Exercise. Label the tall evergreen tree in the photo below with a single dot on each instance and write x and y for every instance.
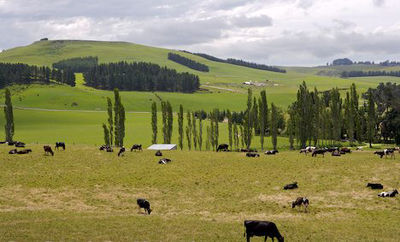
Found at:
(371, 120)
(336, 112)
(263, 107)
(9, 115)
(248, 120)
(194, 130)
(180, 126)
(154, 122)
(189, 130)
(110, 121)
(274, 125)
(208, 139)
(216, 128)
(255, 118)
(106, 135)
(229, 116)
(170, 122)
(164, 113)
(119, 119)
(235, 136)
(200, 136)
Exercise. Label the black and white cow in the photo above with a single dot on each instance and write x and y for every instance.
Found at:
(223, 147)
(164, 161)
(301, 201)
(136, 147)
(261, 228)
(121, 151)
(143, 203)
(252, 154)
(388, 194)
(291, 186)
(271, 152)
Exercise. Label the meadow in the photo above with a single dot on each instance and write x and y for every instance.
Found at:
(85, 194)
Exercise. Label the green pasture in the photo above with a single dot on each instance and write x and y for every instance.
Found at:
(83, 194)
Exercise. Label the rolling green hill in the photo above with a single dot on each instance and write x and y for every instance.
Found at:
(221, 88)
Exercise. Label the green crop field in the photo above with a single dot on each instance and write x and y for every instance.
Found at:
(82, 194)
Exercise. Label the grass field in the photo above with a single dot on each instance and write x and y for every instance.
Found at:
(86, 195)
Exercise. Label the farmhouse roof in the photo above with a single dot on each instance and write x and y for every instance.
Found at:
(162, 147)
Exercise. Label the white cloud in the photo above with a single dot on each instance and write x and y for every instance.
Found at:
(281, 32)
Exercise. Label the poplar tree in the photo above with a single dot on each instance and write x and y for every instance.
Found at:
(255, 119)
(215, 128)
(229, 115)
(106, 135)
(336, 113)
(200, 136)
(119, 119)
(194, 130)
(235, 136)
(154, 122)
(110, 121)
(242, 136)
(9, 115)
(170, 122)
(164, 111)
(208, 140)
(180, 126)
(189, 130)
(371, 118)
(248, 127)
(274, 125)
(263, 107)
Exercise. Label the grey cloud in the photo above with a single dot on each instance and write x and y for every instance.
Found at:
(378, 3)
(257, 21)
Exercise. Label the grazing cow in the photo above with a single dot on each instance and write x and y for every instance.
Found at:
(19, 144)
(24, 151)
(360, 148)
(252, 154)
(60, 144)
(271, 152)
(136, 147)
(47, 150)
(388, 194)
(262, 228)
(143, 203)
(301, 201)
(305, 151)
(12, 152)
(311, 148)
(11, 143)
(223, 147)
(385, 153)
(345, 150)
(291, 186)
(318, 152)
(248, 150)
(375, 185)
(164, 161)
(332, 149)
(158, 153)
(107, 148)
(3, 142)
(121, 151)
(336, 153)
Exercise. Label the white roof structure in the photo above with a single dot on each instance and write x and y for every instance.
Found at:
(162, 147)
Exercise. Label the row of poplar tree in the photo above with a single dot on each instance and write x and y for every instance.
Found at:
(114, 130)
(324, 118)
(258, 119)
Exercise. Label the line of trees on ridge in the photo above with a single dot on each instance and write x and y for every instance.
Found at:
(188, 62)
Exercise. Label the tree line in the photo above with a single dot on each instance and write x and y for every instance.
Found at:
(26, 74)
(78, 64)
(240, 63)
(188, 62)
(346, 74)
(140, 76)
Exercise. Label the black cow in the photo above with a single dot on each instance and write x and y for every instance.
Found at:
(47, 150)
(223, 147)
(388, 194)
(19, 144)
(158, 153)
(24, 151)
(375, 185)
(60, 145)
(332, 149)
(136, 147)
(301, 201)
(345, 150)
(252, 154)
(11, 143)
(290, 186)
(164, 161)
(143, 203)
(262, 228)
(318, 152)
(12, 152)
(3, 142)
(271, 152)
(121, 151)
(336, 153)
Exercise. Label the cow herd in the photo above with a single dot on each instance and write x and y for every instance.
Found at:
(252, 227)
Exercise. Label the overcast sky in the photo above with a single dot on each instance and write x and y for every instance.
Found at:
(276, 32)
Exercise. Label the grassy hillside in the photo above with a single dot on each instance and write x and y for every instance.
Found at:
(82, 194)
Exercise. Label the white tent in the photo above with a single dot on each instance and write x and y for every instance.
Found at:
(163, 147)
